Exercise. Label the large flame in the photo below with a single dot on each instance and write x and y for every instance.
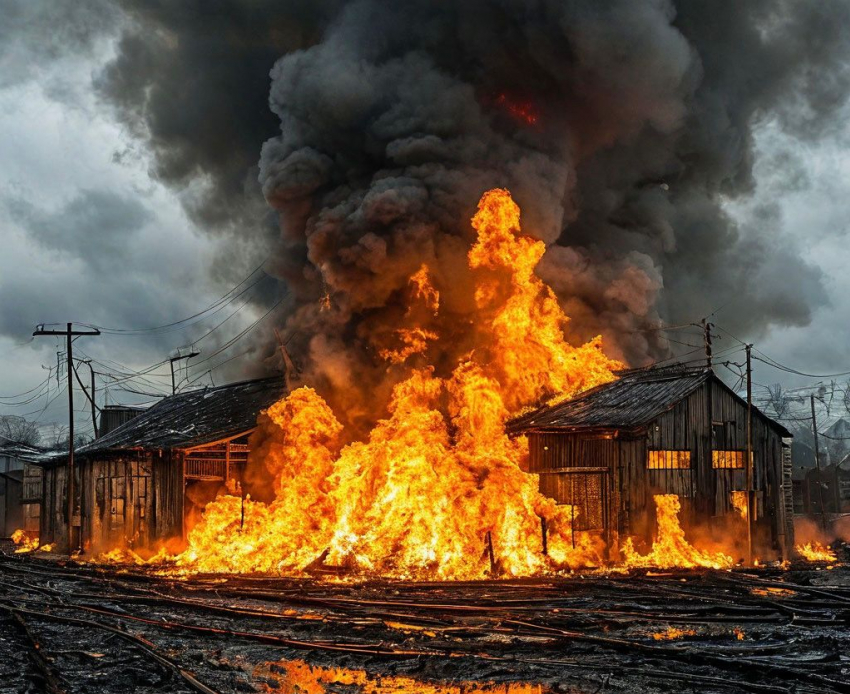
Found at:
(436, 490)
(670, 548)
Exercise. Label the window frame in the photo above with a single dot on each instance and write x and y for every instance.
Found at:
(671, 459)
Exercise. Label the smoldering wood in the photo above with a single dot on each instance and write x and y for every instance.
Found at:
(554, 631)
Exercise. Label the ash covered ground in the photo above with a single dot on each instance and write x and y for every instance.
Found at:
(72, 627)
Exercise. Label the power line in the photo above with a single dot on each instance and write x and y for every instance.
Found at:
(213, 308)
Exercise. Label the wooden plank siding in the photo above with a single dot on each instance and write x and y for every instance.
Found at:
(687, 427)
(129, 498)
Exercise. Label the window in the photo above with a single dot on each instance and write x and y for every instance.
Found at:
(668, 460)
(727, 460)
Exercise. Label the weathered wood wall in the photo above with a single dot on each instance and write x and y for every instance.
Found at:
(131, 498)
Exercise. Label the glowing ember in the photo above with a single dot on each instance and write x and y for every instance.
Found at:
(670, 548)
(815, 551)
(524, 111)
(291, 676)
(672, 633)
(24, 542)
(435, 490)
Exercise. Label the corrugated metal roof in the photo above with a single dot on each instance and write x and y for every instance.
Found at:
(193, 419)
(631, 402)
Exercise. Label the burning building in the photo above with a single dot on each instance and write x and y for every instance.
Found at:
(670, 431)
(137, 484)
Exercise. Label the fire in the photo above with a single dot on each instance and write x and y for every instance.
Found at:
(672, 633)
(815, 551)
(291, 676)
(739, 503)
(436, 489)
(524, 111)
(670, 548)
(24, 542)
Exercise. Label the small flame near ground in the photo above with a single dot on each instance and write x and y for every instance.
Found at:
(814, 551)
(26, 542)
(299, 677)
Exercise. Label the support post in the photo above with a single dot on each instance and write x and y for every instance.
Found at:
(490, 553)
(544, 533)
(817, 464)
(749, 462)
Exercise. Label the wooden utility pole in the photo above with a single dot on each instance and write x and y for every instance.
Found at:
(706, 329)
(817, 463)
(91, 400)
(69, 334)
(289, 370)
(749, 463)
(193, 353)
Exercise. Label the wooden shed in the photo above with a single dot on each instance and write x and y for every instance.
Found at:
(661, 431)
(136, 484)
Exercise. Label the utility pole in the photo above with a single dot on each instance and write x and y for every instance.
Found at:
(817, 463)
(193, 353)
(706, 328)
(290, 372)
(750, 504)
(69, 334)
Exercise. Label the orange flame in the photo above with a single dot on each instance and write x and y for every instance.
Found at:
(670, 548)
(298, 676)
(24, 542)
(673, 633)
(815, 551)
(436, 489)
(739, 503)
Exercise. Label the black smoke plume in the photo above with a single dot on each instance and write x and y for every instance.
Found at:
(620, 127)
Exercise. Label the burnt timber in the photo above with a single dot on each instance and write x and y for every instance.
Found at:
(136, 484)
(671, 430)
(69, 627)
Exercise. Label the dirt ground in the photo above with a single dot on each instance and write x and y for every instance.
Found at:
(73, 627)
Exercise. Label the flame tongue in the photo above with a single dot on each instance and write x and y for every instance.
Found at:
(437, 483)
(670, 548)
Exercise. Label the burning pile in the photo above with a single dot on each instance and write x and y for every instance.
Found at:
(436, 490)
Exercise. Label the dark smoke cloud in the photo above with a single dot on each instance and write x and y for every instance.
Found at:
(394, 117)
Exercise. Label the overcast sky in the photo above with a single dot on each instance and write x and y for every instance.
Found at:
(89, 234)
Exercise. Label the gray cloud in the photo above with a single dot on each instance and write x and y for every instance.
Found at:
(97, 226)
(34, 33)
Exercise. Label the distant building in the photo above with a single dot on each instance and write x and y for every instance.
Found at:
(113, 416)
(137, 483)
(20, 487)
(661, 431)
